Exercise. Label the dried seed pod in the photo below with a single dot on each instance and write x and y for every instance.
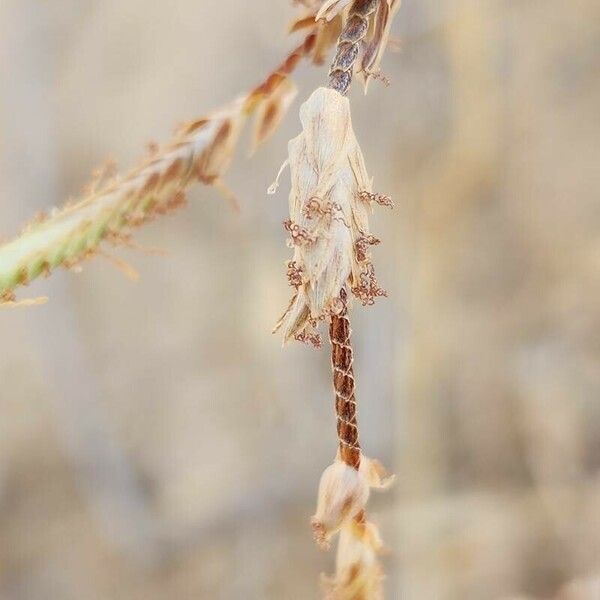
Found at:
(330, 202)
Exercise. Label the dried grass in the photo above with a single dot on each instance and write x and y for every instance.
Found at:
(201, 151)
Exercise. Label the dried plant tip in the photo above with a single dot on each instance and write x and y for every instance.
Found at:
(343, 494)
(328, 213)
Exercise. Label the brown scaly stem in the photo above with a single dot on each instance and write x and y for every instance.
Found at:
(348, 44)
(342, 358)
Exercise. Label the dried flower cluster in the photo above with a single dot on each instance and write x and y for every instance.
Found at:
(330, 202)
(343, 495)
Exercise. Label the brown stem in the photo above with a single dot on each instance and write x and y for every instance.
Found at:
(348, 44)
(342, 358)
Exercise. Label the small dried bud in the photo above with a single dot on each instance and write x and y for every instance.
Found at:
(343, 495)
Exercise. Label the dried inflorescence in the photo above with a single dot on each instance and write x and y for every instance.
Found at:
(201, 151)
(330, 202)
(343, 495)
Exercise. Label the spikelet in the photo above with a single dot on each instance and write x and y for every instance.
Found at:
(330, 202)
(343, 495)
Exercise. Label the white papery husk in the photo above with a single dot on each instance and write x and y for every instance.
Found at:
(343, 495)
(329, 210)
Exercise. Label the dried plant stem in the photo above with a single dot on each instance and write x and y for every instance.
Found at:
(342, 358)
(201, 151)
(353, 33)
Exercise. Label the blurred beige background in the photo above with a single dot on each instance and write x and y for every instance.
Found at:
(156, 442)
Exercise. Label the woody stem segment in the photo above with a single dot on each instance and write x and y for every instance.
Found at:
(355, 30)
(342, 359)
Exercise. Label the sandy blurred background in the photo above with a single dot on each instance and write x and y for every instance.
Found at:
(156, 442)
